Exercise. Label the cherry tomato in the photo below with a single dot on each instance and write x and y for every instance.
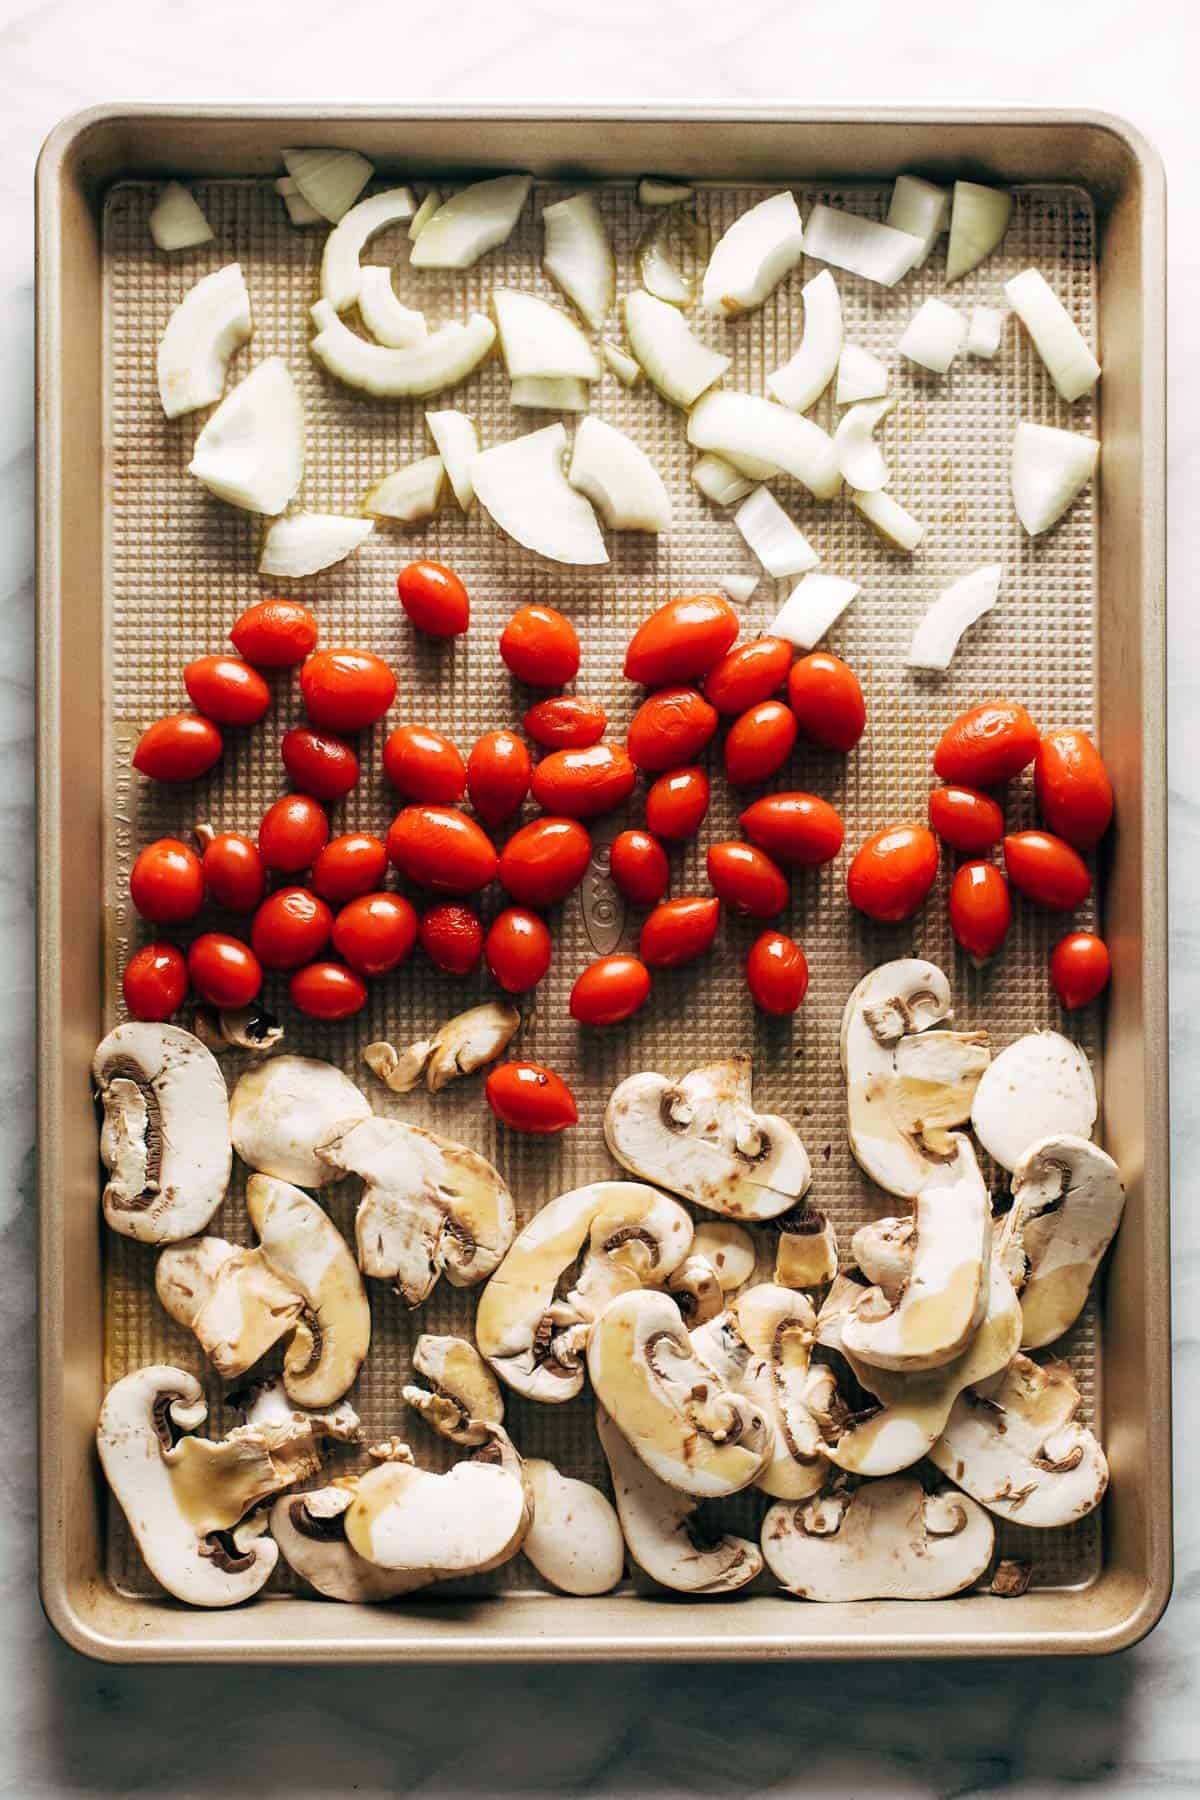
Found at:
(966, 819)
(539, 645)
(227, 689)
(776, 973)
(638, 864)
(318, 763)
(234, 876)
(1046, 871)
(1073, 789)
(180, 748)
(293, 833)
(751, 673)
(683, 639)
(798, 829)
(498, 773)
(376, 932)
(166, 883)
(610, 989)
(747, 880)
(326, 990)
(677, 931)
(545, 860)
(275, 634)
(434, 599)
(528, 1097)
(441, 848)
(346, 690)
(517, 949)
(893, 872)
(581, 784)
(348, 866)
(424, 765)
(566, 722)
(676, 804)
(827, 700)
(223, 970)
(980, 909)
(759, 742)
(155, 982)
(987, 745)
(452, 938)
(1080, 967)
(670, 728)
(290, 927)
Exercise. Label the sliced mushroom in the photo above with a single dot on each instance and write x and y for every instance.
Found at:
(165, 1137)
(779, 1327)
(268, 1403)
(463, 1044)
(472, 1518)
(729, 1250)
(696, 1291)
(1039, 1087)
(310, 1530)
(883, 1250)
(701, 1137)
(250, 1028)
(399, 1070)
(284, 1108)
(465, 1399)
(1067, 1203)
(231, 1297)
(806, 1249)
(837, 1306)
(888, 1540)
(575, 1539)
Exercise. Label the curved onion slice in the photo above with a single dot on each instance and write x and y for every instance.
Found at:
(861, 376)
(298, 209)
(740, 587)
(305, 543)
(674, 359)
(412, 493)
(423, 214)
(549, 393)
(858, 455)
(746, 429)
(815, 604)
(658, 271)
(330, 180)
(251, 452)
(804, 379)
(618, 478)
(385, 316)
(978, 220)
(445, 357)
(341, 273)
(1057, 339)
(654, 191)
(209, 324)
(457, 440)
(719, 481)
(578, 256)
(894, 525)
(922, 210)
(933, 336)
(538, 339)
(471, 223)
(626, 370)
(1049, 467)
(779, 544)
(753, 256)
(176, 221)
(937, 636)
(522, 486)
(985, 331)
(863, 246)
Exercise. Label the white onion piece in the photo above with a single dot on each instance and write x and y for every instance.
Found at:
(384, 314)
(894, 525)
(753, 256)
(618, 478)
(578, 256)
(624, 367)
(861, 376)
(251, 452)
(471, 223)
(815, 604)
(412, 493)
(298, 209)
(978, 220)
(1049, 467)
(305, 543)
(176, 221)
(658, 272)
(921, 209)
(539, 339)
(440, 360)
(864, 247)
(673, 358)
(745, 428)
(933, 336)
(457, 439)
(740, 587)
(1057, 339)
(801, 381)
(522, 486)
(858, 455)
(719, 481)
(777, 541)
(550, 393)
(209, 324)
(654, 191)
(937, 636)
(341, 273)
(423, 214)
(330, 180)
(985, 331)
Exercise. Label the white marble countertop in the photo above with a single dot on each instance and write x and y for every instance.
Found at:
(1129, 1726)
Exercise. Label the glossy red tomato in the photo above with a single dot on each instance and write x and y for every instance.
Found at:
(1046, 871)
(517, 949)
(759, 742)
(441, 848)
(155, 982)
(375, 932)
(327, 990)
(676, 804)
(670, 728)
(986, 745)
(893, 872)
(452, 937)
(681, 640)
(293, 833)
(348, 866)
(1073, 789)
(227, 689)
(746, 879)
(610, 989)
(275, 634)
(528, 1097)
(966, 819)
(751, 673)
(346, 690)
(498, 775)
(1080, 967)
(180, 748)
(223, 970)
(423, 765)
(638, 864)
(290, 927)
(319, 763)
(539, 645)
(566, 722)
(677, 931)
(798, 829)
(234, 876)
(166, 883)
(581, 784)
(434, 599)
(980, 909)
(776, 973)
(827, 700)
(545, 860)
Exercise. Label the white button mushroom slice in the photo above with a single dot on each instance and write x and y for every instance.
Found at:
(399, 1070)
(888, 1540)
(672, 357)
(298, 209)
(729, 1249)
(696, 1291)
(411, 494)
(863, 246)
(472, 1518)
(985, 331)
(247, 1308)
(779, 1328)
(1058, 340)
(933, 336)
(251, 452)
(806, 1249)
(310, 1530)
(209, 324)
(469, 1041)
(186, 1274)
(305, 543)
(1067, 1203)
(860, 376)
(701, 1137)
(549, 393)
(456, 437)
(420, 219)
(760, 437)
(978, 220)
(537, 339)
(1021, 1451)
(578, 256)
(165, 1139)
(777, 541)
(858, 455)
(303, 1245)
(719, 481)
(575, 1539)
(838, 1305)
(885, 513)
(753, 256)
(465, 1398)
(330, 180)
(627, 371)
(250, 1028)
(1049, 469)
(471, 222)
(176, 220)
(267, 1403)
(1040, 1086)
(341, 266)
(954, 611)
(521, 486)
(883, 1251)
(813, 607)
(443, 359)
(921, 209)
(800, 382)
(385, 316)
(284, 1108)
(618, 478)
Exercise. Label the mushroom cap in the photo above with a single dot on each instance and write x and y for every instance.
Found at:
(469, 1040)
(778, 1326)
(232, 1297)
(1038, 1087)
(1067, 1200)
(466, 1397)
(575, 1539)
(283, 1108)
(465, 1521)
(883, 1250)
(310, 1530)
(729, 1249)
(696, 1291)
(332, 1335)
(888, 1540)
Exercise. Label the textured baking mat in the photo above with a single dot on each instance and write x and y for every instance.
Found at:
(181, 567)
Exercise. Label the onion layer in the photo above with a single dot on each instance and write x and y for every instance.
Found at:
(894, 525)
(471, 223)
(522, 486)
(618, 478)
(412, 493)
(978, 220)
(176, 221)
(209, 324)
(814, 605)
(540, 340)
(304, 543)
(457, 439)
(1057, 339)
(385, 316)
(802, 381)
(1049, 468)
(578, 256)
(341, 274)
(934, 336)
(330, 180)
(753, 256)
(861, 376)
(673, 358)
(761, 437)
(921, 209)
(777, 541)
(445, 357)
(864, 247)
(937, 636)
(251, 452)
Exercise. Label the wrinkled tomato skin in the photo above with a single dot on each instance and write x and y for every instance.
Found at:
(638, 864)
(293, 833)
(498, 776)
(517, 949)
(825, 696)
(892, 873)
(375, 933)
(582, 784)
(180, 748)
(327, 990)
(1080, 968)
(166, 882)
(234, 876)
(678, 931)
(434, 599)
(776, 973)
(441, 848)
(566, 722)
(759, 742)
(798, 829)
(677, 803)
(346, 690)
(224, 971)
(681, 640)
(275, 634)
(966, 819)
(226, 690)
(987, 745)
(290, 927)
(452, 937)
(545, 860)
(748, 674)
(423, 765)
(609, 990)
(1074, 793)
(527, 1097)
(746, 879)
(1046, 871)
(670, 728)
(319, 763)
(348, 866)
(539, 647)
(155, 982)
(980, 909)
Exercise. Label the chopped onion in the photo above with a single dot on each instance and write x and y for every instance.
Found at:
(978, 220)
(330, 180)
(423, 214)
(890, 520)
(298, 209)
(522, 486)
(251, 452)
(1057, 338)
(934, 336)
(623, 366)
(654, 191)
(1049, 467)
(740, 587)
(877, 252)
(921, 209)
(440, 360)
(538, 339)
(550, 393)
(410, 494)
(801, 381)
(471, 223)
(457, 440)
(578, 256)
(937, 636)
(858, 455)
(753, 433)
(341, 273)
(815, 604)
(719, 481)
(753, 256)
(385, 316)
(658, 273)
(176, 221)
(305, 543)
(618, 478)
(209, 324)
(674, 359)
(861, 376)
(985, 331)
(779, 544)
